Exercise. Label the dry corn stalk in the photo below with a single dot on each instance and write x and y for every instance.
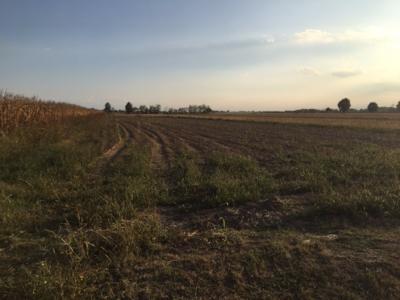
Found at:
(17, 111)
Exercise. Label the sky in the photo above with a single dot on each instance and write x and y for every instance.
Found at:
(229, 54)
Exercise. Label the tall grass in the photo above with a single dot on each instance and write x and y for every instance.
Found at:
(18, 111)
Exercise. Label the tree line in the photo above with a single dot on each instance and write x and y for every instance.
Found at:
(156, 109)
(344, 105)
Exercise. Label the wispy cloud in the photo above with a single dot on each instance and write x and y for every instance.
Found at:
(309, 71)
(240, 43)
(346, 73)
(317, 36)
(313, 36)
(340, 73)
(206, 47)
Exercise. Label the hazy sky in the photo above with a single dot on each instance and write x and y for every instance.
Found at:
(230, 54)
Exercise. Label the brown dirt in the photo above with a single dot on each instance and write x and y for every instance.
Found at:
(169, 136)
(355, 120)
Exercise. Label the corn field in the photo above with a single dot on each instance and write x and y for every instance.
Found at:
(18, 111)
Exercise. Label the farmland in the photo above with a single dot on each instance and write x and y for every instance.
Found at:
(359, 120)
(221, 207)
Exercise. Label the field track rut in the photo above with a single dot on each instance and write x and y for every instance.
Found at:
(168, 137)
(99, 164)
(140, 133)
(166, 143)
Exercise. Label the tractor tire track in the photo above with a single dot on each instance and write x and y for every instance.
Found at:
(160, 153)
(175, 143)
(167, 141)
(100, 164)
(199, 142)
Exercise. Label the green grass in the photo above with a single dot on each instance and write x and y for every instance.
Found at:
(358, 183)
(219, 180)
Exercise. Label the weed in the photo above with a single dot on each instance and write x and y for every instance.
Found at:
(221, 179)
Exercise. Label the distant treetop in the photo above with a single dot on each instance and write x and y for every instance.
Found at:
(107, 107)
(373, 107)
(129, 108)
(344, 105)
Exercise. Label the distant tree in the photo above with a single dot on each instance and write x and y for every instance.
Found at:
(107, 107)
(158, 108)
(387, 109)
(204, 109)
(135, 110)
(192, 109)
(307, 110)
(207, 110)
(344, 105)
(143, 109)
(172, 111)
(155, 109)
(128, 108)
(183, 110)
(373, 107)
(199, 109)
(398, 106)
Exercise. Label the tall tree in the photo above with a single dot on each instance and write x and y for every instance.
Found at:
(129, 108)
(143, 109)
(344, 105)
(155, 109)
(373, 107)
(107, 107)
